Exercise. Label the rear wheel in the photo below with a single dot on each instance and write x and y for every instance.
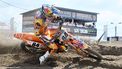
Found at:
(94, 54)
(30, 49)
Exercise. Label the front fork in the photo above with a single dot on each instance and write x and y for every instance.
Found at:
(79, 50)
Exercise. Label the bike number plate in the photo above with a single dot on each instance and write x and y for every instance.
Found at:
(63, 36)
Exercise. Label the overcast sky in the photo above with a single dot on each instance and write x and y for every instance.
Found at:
(109, 10)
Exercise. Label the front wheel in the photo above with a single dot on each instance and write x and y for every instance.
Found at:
(94, 54)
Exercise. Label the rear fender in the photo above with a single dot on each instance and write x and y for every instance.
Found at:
(27, 37)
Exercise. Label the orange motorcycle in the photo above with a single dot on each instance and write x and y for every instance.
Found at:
(35, 44)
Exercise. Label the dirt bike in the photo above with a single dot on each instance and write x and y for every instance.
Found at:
(34, 44)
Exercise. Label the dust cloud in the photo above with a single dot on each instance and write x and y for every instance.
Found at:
(8, 42)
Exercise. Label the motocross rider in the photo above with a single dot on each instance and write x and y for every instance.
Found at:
(43, 17)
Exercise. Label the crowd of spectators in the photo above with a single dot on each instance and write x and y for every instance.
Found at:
(86, 25)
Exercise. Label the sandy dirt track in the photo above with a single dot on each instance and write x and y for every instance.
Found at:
(12, 57)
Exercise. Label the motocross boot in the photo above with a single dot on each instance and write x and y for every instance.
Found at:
(44, 57)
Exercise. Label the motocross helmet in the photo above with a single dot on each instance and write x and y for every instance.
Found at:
(50, 11)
